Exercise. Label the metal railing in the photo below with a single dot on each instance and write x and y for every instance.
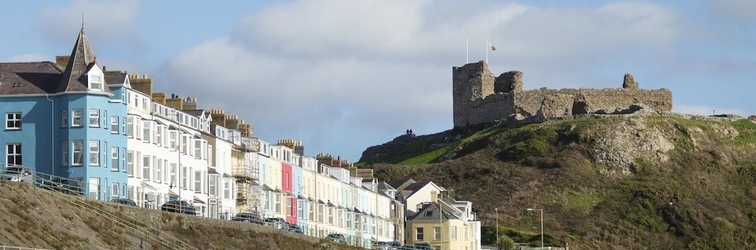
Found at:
(74, 192)
(20, 248)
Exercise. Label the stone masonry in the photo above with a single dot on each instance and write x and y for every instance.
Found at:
(480, 97)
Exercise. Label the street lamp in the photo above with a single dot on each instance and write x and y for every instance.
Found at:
(497, 224)
(540, 210)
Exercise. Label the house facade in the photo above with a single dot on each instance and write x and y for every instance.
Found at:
(57, 120)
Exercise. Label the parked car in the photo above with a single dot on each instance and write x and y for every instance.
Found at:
(419, 246)
(124, 201)
(278, 223)
(177, 206)
(295, 228)
(337, 238)
(18, 173)
(248, 217)
(386, 245)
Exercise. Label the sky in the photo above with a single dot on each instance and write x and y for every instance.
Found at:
(344, 75)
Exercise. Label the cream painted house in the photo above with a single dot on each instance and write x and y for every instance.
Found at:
(443, 226)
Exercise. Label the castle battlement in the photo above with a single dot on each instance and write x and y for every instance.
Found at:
(481, 97)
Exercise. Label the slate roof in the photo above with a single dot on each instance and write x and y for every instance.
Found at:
(19, 78)
(115, 77)
(397, 183)
(82, 59)
(29, 78)
(432, 212)
(195, 113)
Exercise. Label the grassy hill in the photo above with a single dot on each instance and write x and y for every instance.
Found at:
(610, 182)
(33, 217)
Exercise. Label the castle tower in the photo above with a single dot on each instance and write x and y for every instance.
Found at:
(469, 82)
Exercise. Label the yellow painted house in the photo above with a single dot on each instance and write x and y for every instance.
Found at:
(443, 226)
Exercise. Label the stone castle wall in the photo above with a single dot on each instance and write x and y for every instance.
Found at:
(479, 97)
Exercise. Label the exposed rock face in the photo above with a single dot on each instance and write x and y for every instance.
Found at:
(619, 145)
(629, 82)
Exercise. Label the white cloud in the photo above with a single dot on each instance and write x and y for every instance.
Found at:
(708, 110)
(29, 58)
(362, 72)
(106, 22)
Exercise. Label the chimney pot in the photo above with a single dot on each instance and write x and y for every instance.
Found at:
(145, 76)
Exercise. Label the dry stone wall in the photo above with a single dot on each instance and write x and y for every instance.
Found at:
(479, 97)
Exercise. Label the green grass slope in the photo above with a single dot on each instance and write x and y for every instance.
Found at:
(655, 182)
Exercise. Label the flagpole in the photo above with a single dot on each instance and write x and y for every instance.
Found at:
(487, 45)
(467, 49)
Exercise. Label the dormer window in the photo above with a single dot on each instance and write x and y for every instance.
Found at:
(95, 82)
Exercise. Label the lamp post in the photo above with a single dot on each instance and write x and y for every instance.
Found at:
(540, 210)
(497, 224)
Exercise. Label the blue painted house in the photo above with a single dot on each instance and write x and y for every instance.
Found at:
(66, 118)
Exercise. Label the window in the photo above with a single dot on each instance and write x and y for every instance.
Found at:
(146, 131)
(64, 118)
(123, 160)
(453, 233)
(76, 118)
(311, 212)
(114, 159)
(184, 176)
(146, 167)
(123, 125)
(114, 124)
(94, 118)
(130, 126)
(94, 188)
(330, 215)
(172, 140)
(288, 206)
(300, 209)
(349, 220)
(159, 171)
(340, 218)
(104, 158)
(78, 153)
(64, 153)
(104, 119)
(13, 121)
(95, 82)
(159, 135)
(115, 193)
(211, 185)
(94, 153)
(130, 163)
(437, 233)
(198, 149)
(184, 140)
(13, 155)
(227, 190)
(172, 174)
(198, 182)
(320, 213)
(419, 234)
(278, 203)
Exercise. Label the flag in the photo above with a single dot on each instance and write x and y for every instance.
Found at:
(492, 47)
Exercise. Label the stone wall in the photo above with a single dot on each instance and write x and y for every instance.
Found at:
(479, 97)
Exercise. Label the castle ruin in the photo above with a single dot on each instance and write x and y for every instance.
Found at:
(480, 97)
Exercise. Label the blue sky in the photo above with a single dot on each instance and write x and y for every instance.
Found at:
(343, 75)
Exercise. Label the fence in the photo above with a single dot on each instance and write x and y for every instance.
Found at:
(72, 191)
(20, 248)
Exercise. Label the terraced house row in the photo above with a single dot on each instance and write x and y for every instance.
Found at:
(73, 118)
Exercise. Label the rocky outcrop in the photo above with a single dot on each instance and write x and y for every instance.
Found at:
(629, 82)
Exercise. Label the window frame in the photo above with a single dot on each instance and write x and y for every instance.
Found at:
(114, 158)
(94, 155)
(94, 118)
(13, 151)
(64, 118)
(80, 153)
(13, 121)
(114, 124)
(77, 118)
